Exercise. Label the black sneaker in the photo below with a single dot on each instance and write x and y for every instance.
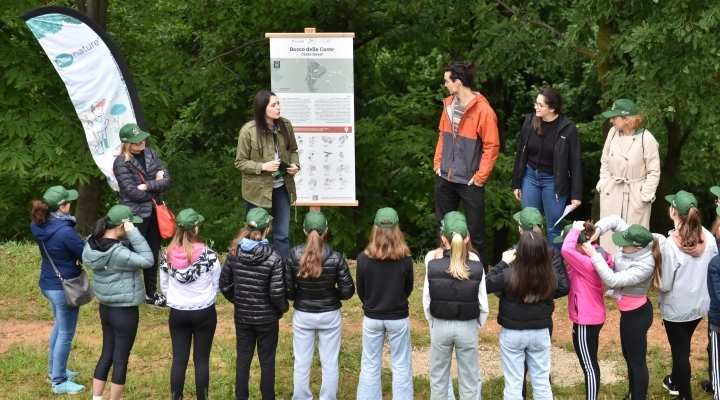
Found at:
(706, 386)
(157, 300)
(667, 384)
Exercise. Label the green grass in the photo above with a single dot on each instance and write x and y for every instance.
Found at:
(23, 366)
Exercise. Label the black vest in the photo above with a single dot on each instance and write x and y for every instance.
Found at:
(452, 298)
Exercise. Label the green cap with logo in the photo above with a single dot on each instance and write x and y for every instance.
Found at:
(635, 235)
(621, 108)
(131, 133)
(682, 201)
(57, 196)
(559, 239)
(258, 219)
(188, 219)
(716, 191)
(386, 218)
(529, 218)
(120, 214)
(454, 222)
(315, 220)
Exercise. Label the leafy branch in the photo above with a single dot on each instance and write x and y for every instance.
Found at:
(582, 49)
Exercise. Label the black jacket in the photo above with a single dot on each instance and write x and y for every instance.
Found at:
(451, 298)
(253, 282)
(567, 160)
(321, 294)
(126, 173)
(514, 314)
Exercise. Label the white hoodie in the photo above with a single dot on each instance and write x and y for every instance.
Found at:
(190, 285)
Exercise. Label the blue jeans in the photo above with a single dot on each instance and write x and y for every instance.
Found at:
(538, 190)
(463, 337)
(398, 332)
(518, 347)
(280, 212)
(327, 326)
(62, 334)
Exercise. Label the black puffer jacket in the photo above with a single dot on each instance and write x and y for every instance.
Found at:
(515, 314)
(253, 282)
(321, 294)
(126, 173)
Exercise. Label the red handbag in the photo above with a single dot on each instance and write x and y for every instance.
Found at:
(165, 217)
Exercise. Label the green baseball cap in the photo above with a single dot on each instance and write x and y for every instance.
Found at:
(453, 222)
(258, 219)
(682, 201)
(386, 218)
(559, 239)
(57, 196)
(715, 190)
(315, 220)
(528, 218)
(188, 219)
(131, 133)
(635, 235)
(621, 108)
(120, 214)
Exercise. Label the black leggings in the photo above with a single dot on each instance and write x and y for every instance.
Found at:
(634, 325)
(184, 327)
(150, 231)
(679, 336)
(586, 339)
(119, 328)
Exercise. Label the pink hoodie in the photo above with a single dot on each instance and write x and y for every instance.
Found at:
(178, 259)
(586, 305)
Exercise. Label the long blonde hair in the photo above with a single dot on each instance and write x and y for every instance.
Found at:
(458, 256)
(387, 244)
(125, 151)
(186, 240)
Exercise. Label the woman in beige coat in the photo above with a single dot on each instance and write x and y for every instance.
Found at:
(629, 169)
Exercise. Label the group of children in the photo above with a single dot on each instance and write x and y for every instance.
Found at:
(684, 267)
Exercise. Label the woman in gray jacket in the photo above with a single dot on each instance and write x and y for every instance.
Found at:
(116, 266)
(638, 263)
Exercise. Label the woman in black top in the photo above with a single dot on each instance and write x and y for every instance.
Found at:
(548, 165)
(317, 277)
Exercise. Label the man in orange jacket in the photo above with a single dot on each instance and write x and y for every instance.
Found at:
(466, 152)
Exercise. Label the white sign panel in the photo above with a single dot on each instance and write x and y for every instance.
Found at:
(313, 78)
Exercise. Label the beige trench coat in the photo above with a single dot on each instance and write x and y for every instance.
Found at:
(629, 176)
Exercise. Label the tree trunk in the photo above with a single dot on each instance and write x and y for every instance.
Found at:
(89, 195)
(604, 36)
(660, 221)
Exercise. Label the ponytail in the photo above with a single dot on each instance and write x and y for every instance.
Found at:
(40, 212)
(100, 227)
(589, 230)
(539, 230)
(458, 254)
(657, 255)
(311, 260)
(246, 233)
(690, 228)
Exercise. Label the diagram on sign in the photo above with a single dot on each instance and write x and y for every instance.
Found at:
(314, 71)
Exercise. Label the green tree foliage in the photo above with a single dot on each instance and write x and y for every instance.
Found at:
(198, 64)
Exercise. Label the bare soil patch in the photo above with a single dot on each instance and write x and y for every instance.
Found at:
(26, 332)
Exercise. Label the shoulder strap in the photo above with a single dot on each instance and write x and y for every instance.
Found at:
(139, 173)
(51, 262)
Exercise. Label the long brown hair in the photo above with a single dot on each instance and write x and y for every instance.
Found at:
(537, 229)
(40, 212)
(247, 233)
(690, 228)
(715, 228)
(262, 99)
(311, 260)
(533, 277)
(553, 100)
(186, 240)
(387, 244)
(657, 255)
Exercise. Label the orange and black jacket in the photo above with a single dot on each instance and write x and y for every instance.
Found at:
(472, 152)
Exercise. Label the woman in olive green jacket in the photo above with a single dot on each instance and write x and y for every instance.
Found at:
(267, 156)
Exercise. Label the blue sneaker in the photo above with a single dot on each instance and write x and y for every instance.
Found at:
(67, 387)
(70, 375)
